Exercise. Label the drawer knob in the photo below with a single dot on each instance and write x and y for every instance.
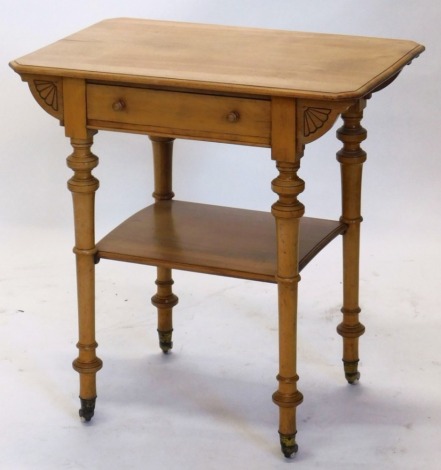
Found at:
(233, 116)
(118, 105)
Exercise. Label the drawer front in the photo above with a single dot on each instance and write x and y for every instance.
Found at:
(193, 115)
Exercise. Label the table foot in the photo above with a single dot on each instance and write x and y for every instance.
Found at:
(87, 409)
(351, 372)
(165, 340)
(288, 444)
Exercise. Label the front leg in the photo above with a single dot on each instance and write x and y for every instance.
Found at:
(83, 186)
(286, 150)
(287, 212)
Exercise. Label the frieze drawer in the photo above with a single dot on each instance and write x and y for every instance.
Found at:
(195, 115)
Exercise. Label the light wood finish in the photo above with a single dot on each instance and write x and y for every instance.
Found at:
(83, 186)
(276, 89)
(164, 299)
(351, 158)
(287, 212)
(210, 239)
(222, 58)
(194, 115)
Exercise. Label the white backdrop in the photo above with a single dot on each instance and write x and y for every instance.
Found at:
(401, 272)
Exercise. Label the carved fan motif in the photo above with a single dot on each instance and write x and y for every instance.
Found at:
(48, 92)
(313, 119)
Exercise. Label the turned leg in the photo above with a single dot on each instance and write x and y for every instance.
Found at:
(287, 212)
(83, 186)
(164, 299)
(351, 158)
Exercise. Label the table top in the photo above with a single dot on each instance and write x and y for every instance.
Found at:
(224, 59)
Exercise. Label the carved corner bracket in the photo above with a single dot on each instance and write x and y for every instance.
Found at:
(48, 92)
(315, 118)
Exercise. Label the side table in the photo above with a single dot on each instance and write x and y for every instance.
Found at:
(275, 89)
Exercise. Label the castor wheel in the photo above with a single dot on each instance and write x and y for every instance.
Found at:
(87, 409)
(288, 445)
(165, 341)
(351, 371)
(353, 378)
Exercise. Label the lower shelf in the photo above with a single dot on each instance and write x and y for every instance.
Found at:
(210, 239)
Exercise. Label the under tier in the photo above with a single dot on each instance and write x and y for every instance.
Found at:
(210, 239)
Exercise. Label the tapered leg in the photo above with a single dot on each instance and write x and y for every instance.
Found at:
(351, 158)
(83, 186)
(164, 299)
(287, 212)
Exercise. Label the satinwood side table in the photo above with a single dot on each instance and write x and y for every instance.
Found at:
(274, 89)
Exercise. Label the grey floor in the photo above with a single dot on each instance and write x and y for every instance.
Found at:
(208, 404)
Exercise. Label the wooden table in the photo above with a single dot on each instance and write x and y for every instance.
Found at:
(275, 89)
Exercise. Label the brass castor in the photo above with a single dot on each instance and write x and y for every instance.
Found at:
(352, 378)
(351, 372)
(165, 340)
(87, 409)
(288, 444)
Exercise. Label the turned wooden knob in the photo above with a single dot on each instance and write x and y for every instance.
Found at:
(234, 116)
(118, 105)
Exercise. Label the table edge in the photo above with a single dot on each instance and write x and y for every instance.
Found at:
(23, 69)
